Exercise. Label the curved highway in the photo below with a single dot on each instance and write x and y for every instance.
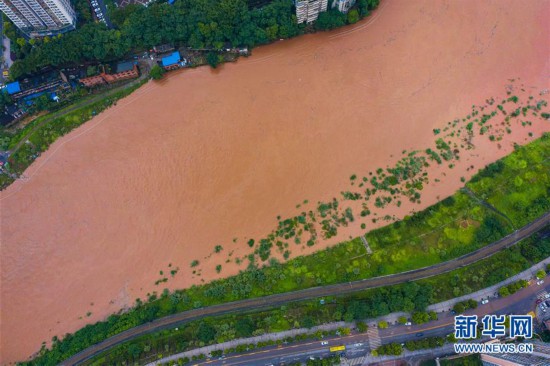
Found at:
(330, 290)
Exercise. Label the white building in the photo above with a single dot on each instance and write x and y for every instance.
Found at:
(308, 10)
(343, 5)
(40, 17)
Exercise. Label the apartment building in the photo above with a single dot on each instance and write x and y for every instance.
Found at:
(343, 5)
(38, 18)
(308, 10)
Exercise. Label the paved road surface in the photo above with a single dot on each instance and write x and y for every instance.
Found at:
(337, 289)
(357, 345)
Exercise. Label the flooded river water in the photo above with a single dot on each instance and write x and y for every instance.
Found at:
(205, 156)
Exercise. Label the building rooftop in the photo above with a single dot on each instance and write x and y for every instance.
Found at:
(174, 58)
(13, 88)
(124, 66)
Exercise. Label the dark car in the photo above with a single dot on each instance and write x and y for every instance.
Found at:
(419, 334)
(548, 303)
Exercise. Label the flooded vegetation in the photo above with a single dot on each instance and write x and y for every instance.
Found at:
(305, 144)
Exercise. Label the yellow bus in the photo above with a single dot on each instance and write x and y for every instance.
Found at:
(337, 348)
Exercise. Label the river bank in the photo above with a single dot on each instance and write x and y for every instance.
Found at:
(204, 157)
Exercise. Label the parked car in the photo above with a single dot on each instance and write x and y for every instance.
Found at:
(547, 296)
(419, 334)
(542, 308)
(408, 323)
(324, 343)
(484, 301)
(540, 282)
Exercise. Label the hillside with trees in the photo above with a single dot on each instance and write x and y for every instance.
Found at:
(197, 24)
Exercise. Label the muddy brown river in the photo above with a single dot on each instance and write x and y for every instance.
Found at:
(204, 156)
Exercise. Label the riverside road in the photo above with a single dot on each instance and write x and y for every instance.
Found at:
(330, 290)
(358, 344)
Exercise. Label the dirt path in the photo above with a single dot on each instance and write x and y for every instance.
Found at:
(489, 206)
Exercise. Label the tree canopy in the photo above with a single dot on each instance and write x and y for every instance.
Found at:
(197, 24)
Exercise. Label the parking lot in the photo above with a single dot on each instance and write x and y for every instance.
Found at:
(100, 12)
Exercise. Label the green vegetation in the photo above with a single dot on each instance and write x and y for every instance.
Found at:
(490, 271)
(410, 297)
(512, 288)
(518, 185)
(425, 343)
(449, 229)
(213, 59)
(396, 348)
(157, 72)
(470, 360)
(46, 129)
(184, 23)
(348, 261)
(421, 317)
(462, 306)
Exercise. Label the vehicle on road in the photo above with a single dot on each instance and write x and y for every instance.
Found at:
(484, 301)
(419, 334)
(408, 323)
(324, 343)
(337, 348)
(540, 282)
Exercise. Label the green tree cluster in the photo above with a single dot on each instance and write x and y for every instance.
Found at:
(157, 72)
(394, 349)
(512, 288)
(462, 306)
(199, 24)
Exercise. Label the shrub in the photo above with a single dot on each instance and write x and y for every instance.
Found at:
(157, 72)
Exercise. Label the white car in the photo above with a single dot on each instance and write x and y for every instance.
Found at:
(324, 343)
(547, 296)
(408, 323)
(540, 282)
(484, 301)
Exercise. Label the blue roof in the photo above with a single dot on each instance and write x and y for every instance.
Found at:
(13, 88)
(171, 2)
(174, 58)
